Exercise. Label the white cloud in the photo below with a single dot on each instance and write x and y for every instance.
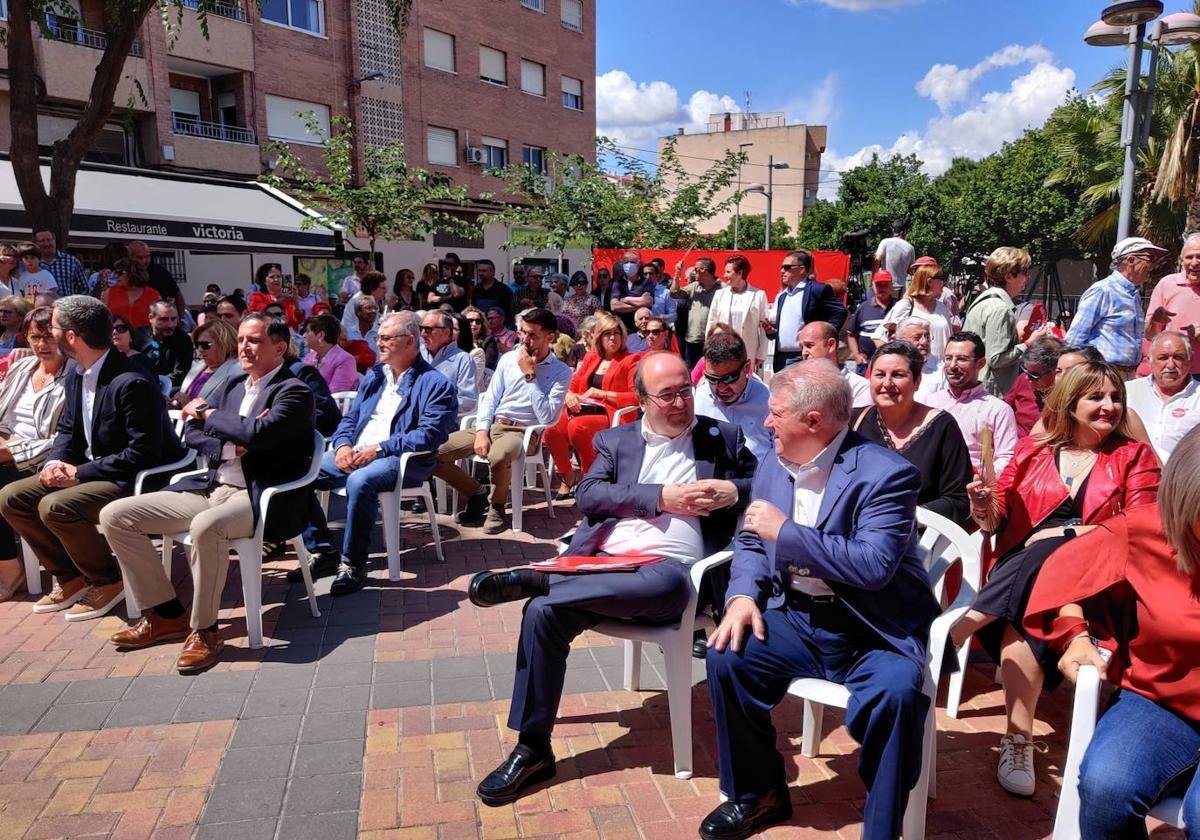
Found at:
(862, 5)
(816, 106)
(994, 118)
(948, 84)
(636, 113)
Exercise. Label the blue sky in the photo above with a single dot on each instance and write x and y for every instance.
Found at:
(940, 78)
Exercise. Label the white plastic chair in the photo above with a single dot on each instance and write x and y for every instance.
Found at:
(536, 466)
(955, 686)
(33, 569)
(250, 549)
(344, 400)
(945, 544)
(1083, 726)
(621, 413)
(675, 641)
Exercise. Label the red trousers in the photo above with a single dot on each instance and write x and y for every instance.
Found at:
(574, 431)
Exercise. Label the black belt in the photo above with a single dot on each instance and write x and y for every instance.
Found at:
(804, 599)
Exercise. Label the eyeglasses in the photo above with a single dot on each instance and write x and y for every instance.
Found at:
(727, 379)
(204, 345)
(45, 337)
(1033, 376)
(663, 400)
(789, 266)
(431, 329)
(941, 277)
(652, 331)
(120, 328)
(388, 339)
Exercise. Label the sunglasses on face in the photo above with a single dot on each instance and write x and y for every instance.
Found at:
(652, 331)
(474, 321)
(727, 379)
(120, 328)
(431, 329)
(789, 266)
(1033, 376)
(204, 345)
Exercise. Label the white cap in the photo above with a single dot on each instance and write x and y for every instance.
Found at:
(1136, 245)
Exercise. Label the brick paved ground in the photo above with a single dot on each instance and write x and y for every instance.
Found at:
(377, 720)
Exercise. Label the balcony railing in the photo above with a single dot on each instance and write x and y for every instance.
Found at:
(188, 127)
(232, 10)
(71, 32)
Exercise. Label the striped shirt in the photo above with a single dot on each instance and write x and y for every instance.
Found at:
(68, 273)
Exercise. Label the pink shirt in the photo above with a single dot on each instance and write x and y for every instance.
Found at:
(337, 369)
(973, 410)
(1174, 293)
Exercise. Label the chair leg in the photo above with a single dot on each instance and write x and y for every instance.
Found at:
(33, 570)
(303, 556)
(323, 500)
(954, 692)
(545, 474)
(250, 564)
(389, 507)
(913, 825)
(433, 526)
(814, 717)
(517, 492)
(633, 665)
(678, 663)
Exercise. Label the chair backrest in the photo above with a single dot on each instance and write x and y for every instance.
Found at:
(620, 415)
(314, 468)
(344, 400)
(945, 545)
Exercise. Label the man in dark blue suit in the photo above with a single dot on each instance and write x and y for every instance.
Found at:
(403, 405)
(672, 485)
(827, 574)
(801, 301)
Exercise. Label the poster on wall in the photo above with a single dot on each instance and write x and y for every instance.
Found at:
(326, 274)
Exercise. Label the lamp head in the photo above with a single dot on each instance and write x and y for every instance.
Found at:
(1131, 12)
(1101, 34)
(1180, 29)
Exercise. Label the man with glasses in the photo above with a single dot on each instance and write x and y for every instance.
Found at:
(1027, 396)
(730, 392)
(1109, 316)
(506, 339)
(528, 388)
(438, 349)
(644, 495)
(403, 405)
(801, 301)
(697, 296)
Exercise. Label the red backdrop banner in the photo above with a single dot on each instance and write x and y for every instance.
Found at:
(764, 265)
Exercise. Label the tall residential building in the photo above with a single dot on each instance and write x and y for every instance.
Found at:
(471, 85)
(762, 135)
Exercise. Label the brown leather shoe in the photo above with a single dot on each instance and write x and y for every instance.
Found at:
(200, 651)
(151, 630)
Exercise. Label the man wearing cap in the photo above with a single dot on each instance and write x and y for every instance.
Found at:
(1110, 316)
(1175, 301)
(867, 318)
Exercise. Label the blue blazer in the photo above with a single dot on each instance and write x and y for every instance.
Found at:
(864, 544)
(818, 303)
(427, 415)
(611, 492)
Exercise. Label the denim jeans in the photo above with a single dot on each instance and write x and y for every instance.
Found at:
(1141, 753)
(363, 487)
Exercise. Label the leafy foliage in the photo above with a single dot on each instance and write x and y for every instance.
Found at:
(390, 200)
(752, 234)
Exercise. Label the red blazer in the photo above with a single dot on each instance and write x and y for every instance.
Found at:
(618, 379)
(1126, 475)
(1022, 399)
(261, 300)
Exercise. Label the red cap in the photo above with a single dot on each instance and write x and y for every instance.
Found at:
(920, 261)
(881, 276)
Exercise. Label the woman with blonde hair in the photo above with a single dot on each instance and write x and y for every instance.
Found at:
(602, 383)
(920, 302)
(990, 316)
(216, 363)
(1082, 470)
(1133, 585)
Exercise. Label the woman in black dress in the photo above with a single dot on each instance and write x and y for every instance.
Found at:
(927, 438)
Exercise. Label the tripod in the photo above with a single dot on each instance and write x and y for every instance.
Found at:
(1051, 291)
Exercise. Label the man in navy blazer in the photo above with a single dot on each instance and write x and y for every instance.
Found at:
(113, 424)
(403, 405)
(828, 576)
(801, 301)
(672, 485)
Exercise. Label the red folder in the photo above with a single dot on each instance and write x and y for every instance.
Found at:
(583, 565)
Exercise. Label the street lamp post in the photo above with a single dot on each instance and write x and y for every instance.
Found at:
(1125, 24)
(771, 167)
(737, 207)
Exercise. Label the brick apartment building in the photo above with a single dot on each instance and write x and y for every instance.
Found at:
(474, 83)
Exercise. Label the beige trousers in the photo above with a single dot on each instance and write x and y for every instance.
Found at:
(506, 446)
(213, 519)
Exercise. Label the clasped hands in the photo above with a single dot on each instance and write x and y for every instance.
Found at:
(58, 474)
(697, 498)
(347, 460)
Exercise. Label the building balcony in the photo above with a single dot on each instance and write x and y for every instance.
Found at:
(70, 32)
(185, 126)
(230, 41)
(232, 10)
(68, 71)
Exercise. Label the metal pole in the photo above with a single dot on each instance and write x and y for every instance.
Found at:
(737, 208)
(1129, 128)
(770, 185)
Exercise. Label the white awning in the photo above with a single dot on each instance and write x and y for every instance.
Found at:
(174, 211)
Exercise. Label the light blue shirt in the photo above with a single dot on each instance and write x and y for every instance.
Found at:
(1109, 317)
(539, 402)
(665, 306)
(791, 319)
(452, 363)
(748, 412)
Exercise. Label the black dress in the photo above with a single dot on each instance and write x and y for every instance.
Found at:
(1006, 593)
(939, 452)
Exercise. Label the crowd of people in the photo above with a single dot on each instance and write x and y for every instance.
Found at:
(683, 414)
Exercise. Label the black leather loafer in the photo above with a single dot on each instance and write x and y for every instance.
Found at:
(738, 820)
(700, 645)
(319, 566)
(522, 768)
(487, 589)
(349, 579)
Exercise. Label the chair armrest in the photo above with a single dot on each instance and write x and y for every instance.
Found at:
(533, 438)
(142, 475)
(188, 474)
(621, 413)
(467, 421)
(404, 459)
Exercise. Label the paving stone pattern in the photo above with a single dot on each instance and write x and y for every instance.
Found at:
(377, 719)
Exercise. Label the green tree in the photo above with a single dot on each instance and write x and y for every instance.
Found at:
(390, 201)
(51, 209)
(752, 234)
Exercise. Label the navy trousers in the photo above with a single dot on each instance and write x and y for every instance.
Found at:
(654, 594)
(886, 714)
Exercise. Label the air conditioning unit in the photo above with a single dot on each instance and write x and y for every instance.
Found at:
(475, 155)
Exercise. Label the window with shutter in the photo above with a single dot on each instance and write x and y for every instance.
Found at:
(285, 120)
(439, 50)
(442, 146)
(495, 152)
(572, 15)
(533, 77)
(572, 93)
(493, 66)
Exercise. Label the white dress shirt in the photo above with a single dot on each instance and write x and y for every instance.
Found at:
(1167, 419)
(748, 412)
(860, 388)
(379, 427)
(91, 378)
(230, 471)
(666, 461)
(539, 402)
(811, 479)
(791, 318)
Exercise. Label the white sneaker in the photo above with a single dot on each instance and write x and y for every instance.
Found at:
(1015, 771)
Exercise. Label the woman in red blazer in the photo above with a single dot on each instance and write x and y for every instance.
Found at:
(602, 383)
(1082, 470)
